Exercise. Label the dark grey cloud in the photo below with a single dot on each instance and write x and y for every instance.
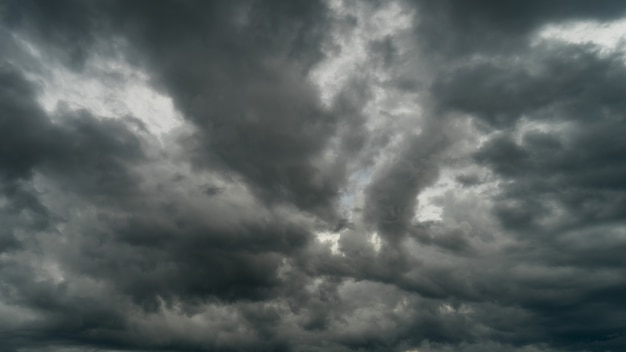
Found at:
(274, 218)
(464, 28)
(556, 116)
(226, 65)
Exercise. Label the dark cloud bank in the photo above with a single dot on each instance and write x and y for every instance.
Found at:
(211, 236)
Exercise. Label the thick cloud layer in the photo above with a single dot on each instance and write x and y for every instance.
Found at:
(311, 176)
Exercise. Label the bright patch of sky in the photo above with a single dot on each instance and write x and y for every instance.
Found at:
(331, 238)
(609, 36)
(113, 89)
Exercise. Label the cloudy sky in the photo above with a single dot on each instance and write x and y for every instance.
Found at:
(312, 176)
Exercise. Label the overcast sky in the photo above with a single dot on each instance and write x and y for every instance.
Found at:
(313, 176)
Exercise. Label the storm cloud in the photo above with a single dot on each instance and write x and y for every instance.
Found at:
(310, 176)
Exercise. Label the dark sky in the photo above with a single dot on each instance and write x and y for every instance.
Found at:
(304, 176)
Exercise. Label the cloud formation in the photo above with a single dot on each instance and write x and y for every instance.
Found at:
(311, 176)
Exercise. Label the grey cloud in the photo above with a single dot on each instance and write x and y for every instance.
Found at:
(233, 69)
(205, 239)
(559, 186)
(392, 194)
(550, 82)
(462, 28)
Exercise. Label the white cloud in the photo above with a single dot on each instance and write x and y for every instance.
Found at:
(609, 36)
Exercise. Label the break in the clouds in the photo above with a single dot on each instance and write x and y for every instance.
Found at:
(410, 176)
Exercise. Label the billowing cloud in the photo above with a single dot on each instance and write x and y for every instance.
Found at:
(312, 176)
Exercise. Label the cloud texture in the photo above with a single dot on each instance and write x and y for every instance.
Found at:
(311, 176)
